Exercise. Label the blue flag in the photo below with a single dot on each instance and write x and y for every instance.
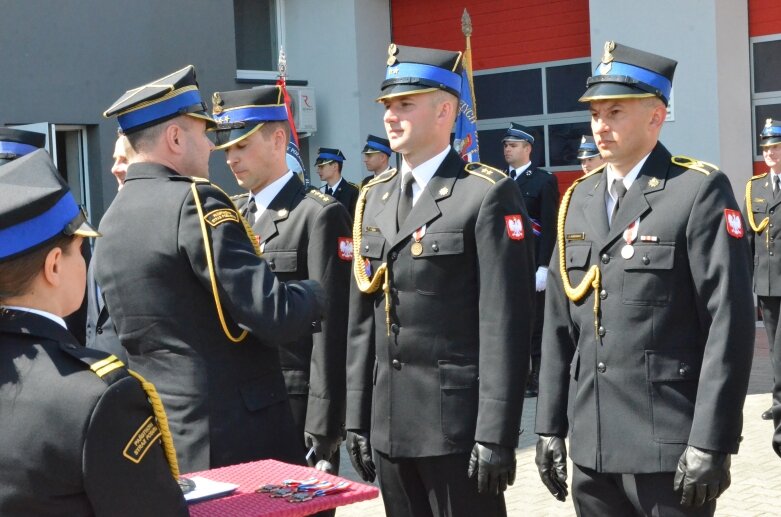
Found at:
(466, 123)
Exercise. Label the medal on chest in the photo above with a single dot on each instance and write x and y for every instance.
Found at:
(630, 235)
(417, 248)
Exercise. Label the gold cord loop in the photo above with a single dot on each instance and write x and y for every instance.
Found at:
(758, 228)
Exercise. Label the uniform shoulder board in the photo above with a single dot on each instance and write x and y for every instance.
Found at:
(484, 171)
(104, 365)
(385, 176)
(240, 197)
(545, 171)
(321, 197)
(697, 165)
(189, 179)
(758, 176)
(353, 184)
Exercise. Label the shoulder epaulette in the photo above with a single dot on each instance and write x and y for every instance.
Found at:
(239, 197)
(382, 178)
(353, 184)
(189, 179)
(321, 197)
(579, 180)
(104, 365)
(758, 176)
(484, 171)
(697, 165)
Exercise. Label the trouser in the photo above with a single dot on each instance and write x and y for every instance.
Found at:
(599, 494)
(433, 486)
(539, 318)
(771, 306)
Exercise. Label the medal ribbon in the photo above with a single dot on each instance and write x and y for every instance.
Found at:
(419, 233)
(630, 234)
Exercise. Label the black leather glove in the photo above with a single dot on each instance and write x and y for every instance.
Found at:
(494, 465)
(317, 290)
(325, 446)
(360, 451)
(551, 460)
(701, 476)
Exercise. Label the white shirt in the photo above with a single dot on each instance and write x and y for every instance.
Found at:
(334, 186)
(610, 195)
(267, 194)
(422, 173)
(520, 170)
(48, 315)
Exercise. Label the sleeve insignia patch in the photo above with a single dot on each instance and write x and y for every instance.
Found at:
(141, 441)
(734, 223)
(221, 215)
(514, 225)
(345, 249)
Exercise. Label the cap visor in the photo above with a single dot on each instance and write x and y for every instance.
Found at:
(399, 90)
(210, 123)
(87, 230)
(604, 91)
(224, 138)
(587, 154)
(770, 142)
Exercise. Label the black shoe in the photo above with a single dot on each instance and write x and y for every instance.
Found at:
(768, 415)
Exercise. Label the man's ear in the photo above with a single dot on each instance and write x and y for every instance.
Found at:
(52, 267)
(173, 137)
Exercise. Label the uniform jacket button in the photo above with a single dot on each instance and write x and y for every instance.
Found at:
(646, 260)
(396, 364)
(395, 328)
(605, 258)
(601, 331)
(394, 255)
(603, 294)
(684, 369)
(601, 367)
(99, 330)
(394, 292)
(366, 248)
(435, 247)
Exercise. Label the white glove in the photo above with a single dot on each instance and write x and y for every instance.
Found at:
(539, 278)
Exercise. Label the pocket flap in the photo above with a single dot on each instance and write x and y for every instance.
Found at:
(456, 376)
(372, 246)
(759, 207)
(262, 392)
(672, 365)
(442, 243)
(655, 256)
(577, 255)
(282, 261)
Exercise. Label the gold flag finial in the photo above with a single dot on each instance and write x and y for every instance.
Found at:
(466, 24)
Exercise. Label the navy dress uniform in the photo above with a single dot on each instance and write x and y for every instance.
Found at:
(303, 234)
(540, 191)
(78, 435)
(344, 191)
(648, 325)
(762, 200)
(15, 143)
(437, 341)
(196, 308)
(374, 145)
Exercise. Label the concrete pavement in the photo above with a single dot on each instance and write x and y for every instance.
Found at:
(756, 470)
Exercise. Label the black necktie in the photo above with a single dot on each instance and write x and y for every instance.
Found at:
(329, 190)
(513, 174)
(776, 186)
(252, 208)
(620, 190)
(405, 201)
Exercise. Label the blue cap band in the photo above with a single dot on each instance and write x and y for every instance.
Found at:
(28, 234)
(637, 73)
(449, 79)
(766, 133)
(16, 148)
(159, 110)
(588, 147)
(517, 133)
(329, 156)
(379, 147)
(253, 114)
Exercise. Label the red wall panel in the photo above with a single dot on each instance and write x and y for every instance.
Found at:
(764, 17)
(505, 32)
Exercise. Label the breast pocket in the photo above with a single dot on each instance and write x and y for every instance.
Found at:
(672, 388)
(759, 207)
(576, 258)
(372, 246)
(282, 261)
(648, 275)
(440, 263)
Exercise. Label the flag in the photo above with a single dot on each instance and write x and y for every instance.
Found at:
(294, 161)
(466, 122)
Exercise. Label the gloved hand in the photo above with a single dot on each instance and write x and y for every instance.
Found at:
(540, 277)
(360, 451)
(494, 465)
(325, 446)
(551, 460)
(701, 476)
(317, 290)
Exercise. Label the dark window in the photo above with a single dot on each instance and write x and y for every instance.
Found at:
(256, 34)
(509, 94)
(564, 142)
(491, 152)
(767, 66)
(565, 84)
(761, 114)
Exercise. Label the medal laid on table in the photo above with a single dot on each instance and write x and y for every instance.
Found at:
(630, 235)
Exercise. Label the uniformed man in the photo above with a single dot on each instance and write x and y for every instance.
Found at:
(77, 433)
(763, 195)
(197, 309)
(376, 154)
(438, 343)
(540, 192)
(15, 143)
(303, 234)
(649, 320)
(329, 164)
(588, 154)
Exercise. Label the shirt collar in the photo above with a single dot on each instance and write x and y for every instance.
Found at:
(628, 179)
(264, 198)
(522, 168)
(48, 315)
(425, 171)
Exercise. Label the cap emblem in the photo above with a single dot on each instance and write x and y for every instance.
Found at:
(392, 51)
(769, 122)
(217, 102)
(607, 56)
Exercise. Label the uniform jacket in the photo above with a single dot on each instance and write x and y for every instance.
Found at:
(669, 360)
(347, 194)
(65, 431)
(308, 235)
(226, 400)
(765, 251)
(100, 331)
(540, 192)
(451, 367)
